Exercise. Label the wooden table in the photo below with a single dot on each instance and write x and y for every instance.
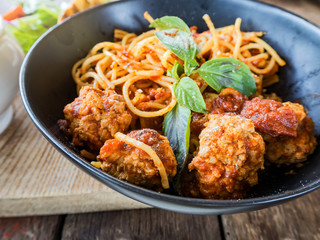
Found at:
(298, 219)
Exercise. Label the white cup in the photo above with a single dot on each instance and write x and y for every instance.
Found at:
(11, 57)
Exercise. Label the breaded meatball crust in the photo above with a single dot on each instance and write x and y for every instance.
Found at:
(230, 154)
(95, 116)
(287, 149)
(133, 165)
(228, 101)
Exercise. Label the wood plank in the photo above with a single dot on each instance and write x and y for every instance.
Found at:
(48, 227)
(36, 179)
(298, 219)
(308, 9)
(140, 224)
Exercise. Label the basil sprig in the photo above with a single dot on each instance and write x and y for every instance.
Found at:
(176, 71)
(176, 127)
(188, 94)
(182, 45)
(169, 22)
(220, 73)
(186, 90)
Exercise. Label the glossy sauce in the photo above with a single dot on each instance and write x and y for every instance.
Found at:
(271, 117)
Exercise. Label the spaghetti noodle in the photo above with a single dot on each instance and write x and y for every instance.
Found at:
(147, 149)
(133, 60)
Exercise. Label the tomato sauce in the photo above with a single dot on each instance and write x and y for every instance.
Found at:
(271, 117)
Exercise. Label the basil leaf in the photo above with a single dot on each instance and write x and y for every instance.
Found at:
(168, 22)
(176, 128)
(182, 45)
(188, 94)
(176, 71)
(220, 73)
(190, 66)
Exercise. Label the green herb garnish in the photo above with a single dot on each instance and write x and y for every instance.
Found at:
(188, 94)
(176, 71)
(176, 128)
(182, 45)
(220, 73)
(170, 22)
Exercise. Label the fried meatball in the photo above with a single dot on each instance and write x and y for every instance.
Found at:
(95, 116)
(230, 154)
(198, 121)
(288, 149)
(228, 101)
(271, 117)
(132, 164)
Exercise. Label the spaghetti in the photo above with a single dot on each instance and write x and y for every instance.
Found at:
(134, 60)
(147, 149)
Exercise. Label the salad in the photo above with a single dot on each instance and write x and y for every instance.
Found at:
(28, 20)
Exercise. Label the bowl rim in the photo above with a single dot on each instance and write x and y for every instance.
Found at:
(108, 180)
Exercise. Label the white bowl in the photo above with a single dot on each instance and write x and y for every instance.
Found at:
(11, 57)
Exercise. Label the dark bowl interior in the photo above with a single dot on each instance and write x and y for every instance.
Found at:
(47, 86)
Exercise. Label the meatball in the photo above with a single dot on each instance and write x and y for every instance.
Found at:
(228, 101)
(133, 165)
(94, 117)
(271, 117)
(289, 149)
(198, 121)
(230, 154)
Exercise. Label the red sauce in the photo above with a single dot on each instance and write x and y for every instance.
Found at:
(171, 34)
(156, 94)
(197, 123)
(125, 53)
(229, 100)
(194, 30)
(111, 146)
(271, 117)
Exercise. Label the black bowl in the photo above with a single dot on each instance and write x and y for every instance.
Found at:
(46, 86)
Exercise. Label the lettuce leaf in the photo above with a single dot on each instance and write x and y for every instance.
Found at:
(29, 28)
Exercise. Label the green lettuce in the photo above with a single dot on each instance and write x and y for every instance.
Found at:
(29, 28)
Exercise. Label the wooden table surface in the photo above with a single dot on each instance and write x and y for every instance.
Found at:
(298, 219)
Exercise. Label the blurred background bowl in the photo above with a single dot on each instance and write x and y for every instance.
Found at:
(11, 57)
(46, 86)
